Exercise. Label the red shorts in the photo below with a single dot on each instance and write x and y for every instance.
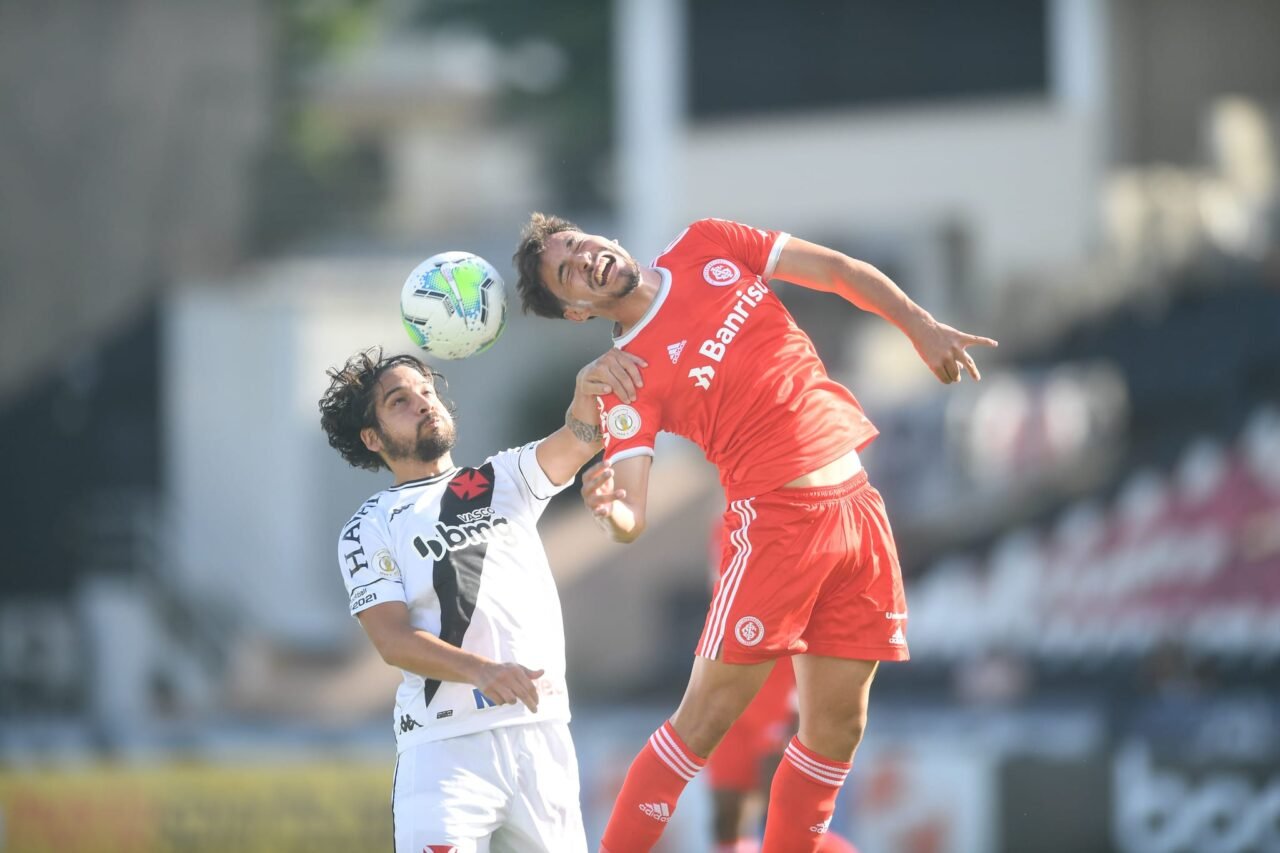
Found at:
(808, 571)
(761, 731)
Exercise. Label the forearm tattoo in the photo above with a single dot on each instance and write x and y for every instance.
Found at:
(584, 432)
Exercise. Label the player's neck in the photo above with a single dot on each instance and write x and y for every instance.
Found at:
(632, 309)
(408, 470)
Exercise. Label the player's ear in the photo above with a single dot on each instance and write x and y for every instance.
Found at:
(371, 439)
(577, 315)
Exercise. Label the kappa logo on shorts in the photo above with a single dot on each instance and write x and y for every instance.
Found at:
(749, 631)
(721, 272)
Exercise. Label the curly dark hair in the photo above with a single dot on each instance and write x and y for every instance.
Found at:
(535, 297)
(347, 407)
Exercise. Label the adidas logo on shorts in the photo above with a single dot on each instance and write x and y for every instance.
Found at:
(660, 812)
(820, 828)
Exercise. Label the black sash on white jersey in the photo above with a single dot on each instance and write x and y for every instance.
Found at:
(456, 575)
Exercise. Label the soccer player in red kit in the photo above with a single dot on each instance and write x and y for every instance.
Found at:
(811, 570)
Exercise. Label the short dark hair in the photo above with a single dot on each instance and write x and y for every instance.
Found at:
(348, 406)
(535, 297)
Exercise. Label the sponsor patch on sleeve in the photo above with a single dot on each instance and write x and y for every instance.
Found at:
(622, 421)
(386, 564)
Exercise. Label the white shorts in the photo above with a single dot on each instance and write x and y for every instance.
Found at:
(513, 788)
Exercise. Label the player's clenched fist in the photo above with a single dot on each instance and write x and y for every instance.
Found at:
(598, 491)
(509, 683)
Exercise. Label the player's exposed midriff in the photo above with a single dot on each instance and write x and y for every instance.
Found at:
(834, 472)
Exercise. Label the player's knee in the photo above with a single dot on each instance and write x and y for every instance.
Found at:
(836, 733)
(704, 725)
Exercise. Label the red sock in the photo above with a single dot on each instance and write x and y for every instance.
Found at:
(649, 793)
(801, 800)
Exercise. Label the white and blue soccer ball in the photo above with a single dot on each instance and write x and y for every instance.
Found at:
(454, 304)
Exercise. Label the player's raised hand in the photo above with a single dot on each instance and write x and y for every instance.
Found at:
(509, 683)
(615, 372)
(598, 491)
(944, 350)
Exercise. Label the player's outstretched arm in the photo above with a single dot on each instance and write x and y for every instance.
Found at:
(616, 496)
(942, 348)
(567, 449)
(406, 647)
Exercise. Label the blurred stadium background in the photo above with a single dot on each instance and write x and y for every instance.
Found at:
(204, 205)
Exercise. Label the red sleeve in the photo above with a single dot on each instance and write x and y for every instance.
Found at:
(755, 248)
(629, 429)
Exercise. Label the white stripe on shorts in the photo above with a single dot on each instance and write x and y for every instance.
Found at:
(723, 601)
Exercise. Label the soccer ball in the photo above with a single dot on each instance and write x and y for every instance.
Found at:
(454, 305)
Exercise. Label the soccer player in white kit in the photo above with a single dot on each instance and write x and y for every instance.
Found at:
(448, 577)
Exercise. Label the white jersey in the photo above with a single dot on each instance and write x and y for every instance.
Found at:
(461, 550)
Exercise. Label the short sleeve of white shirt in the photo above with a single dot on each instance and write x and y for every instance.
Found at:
(369, 570)
(522, 466)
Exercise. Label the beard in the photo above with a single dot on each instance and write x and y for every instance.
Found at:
(628, 278)
(426, 447)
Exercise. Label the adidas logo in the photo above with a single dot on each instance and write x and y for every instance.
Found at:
(674, 351)
(660, 812)
(821, 828)
(898, 638)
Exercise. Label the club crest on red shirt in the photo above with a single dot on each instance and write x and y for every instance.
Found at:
(721, 272)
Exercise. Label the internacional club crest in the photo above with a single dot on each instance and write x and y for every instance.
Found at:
(721, 272)
(749, 631)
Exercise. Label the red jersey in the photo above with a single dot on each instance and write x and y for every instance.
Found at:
(730, 370)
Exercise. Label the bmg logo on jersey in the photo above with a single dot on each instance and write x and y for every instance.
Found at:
(453, 537)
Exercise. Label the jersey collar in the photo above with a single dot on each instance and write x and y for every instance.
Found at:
(664, 287)
(425, 481)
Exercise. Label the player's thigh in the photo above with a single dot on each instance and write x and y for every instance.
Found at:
(546, 810)
(760, 731)
(715, 697)
(833, 695)
(448, 794)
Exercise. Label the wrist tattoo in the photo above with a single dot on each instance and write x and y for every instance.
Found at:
(584, 432)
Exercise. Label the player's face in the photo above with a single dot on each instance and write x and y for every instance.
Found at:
(412, 421)
(587, 271)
